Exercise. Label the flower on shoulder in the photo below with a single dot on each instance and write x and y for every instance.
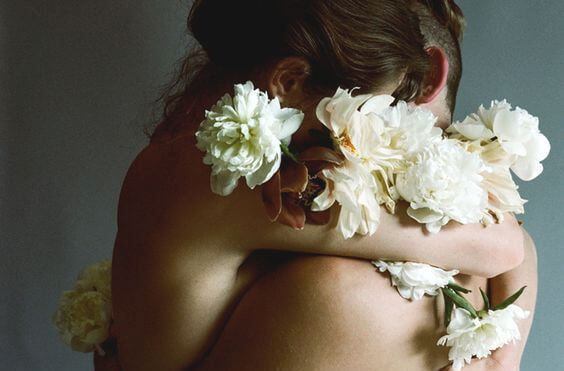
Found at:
(84, 315)
(516, 131)
(468, 336)
(242, 137)
(413, 280)
(443, 183)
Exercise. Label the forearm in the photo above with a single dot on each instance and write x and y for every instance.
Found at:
(473, 249)
(505, 285)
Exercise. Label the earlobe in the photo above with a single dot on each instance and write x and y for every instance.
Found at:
(437, 79)
(287, 78)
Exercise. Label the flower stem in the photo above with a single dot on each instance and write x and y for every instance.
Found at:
(460, 301)
(288, 153)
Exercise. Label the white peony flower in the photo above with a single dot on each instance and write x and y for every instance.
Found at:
(96, 277)
(410, 128)
(353, 187)
(413, 280)
(503, 195)
(369, 132)
(442, 183)
(469, 337)
(517, 132)
(84, 314)
(83, 319)
(355, 130)
(242, 135)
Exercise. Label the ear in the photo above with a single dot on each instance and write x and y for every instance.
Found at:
(437, 79)
(287, 79)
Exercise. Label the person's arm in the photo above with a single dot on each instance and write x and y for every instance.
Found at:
(508, 283)
(473, 249)
(508, 358)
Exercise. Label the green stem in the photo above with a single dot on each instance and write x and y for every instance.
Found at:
(460, 301)
(288, 153)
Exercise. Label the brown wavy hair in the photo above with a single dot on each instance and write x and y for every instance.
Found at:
(348, 43)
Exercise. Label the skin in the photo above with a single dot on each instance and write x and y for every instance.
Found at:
(328, 313)
(184, 257)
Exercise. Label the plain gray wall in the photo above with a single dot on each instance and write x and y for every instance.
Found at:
(76, 84)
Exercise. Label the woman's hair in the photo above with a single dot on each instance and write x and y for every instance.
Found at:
(348, 43)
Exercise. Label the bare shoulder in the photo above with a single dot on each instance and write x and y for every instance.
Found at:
(328, 313)
(166, 194)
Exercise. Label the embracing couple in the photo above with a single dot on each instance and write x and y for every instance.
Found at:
(205, 282)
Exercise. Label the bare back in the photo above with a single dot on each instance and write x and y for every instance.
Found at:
(176, 273)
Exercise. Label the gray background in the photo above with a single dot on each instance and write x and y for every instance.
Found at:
(76, 83)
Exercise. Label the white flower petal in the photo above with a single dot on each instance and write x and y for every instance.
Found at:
(424, 215)
(472, 129)
(478, 337)
(241, 136)
(377, 104)
(291, 122)
(413, 280)
(224, 182)
(264, 173)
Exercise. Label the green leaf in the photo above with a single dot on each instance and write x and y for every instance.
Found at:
(458, 288)
(510, 300)
(449, 305)
(460, 301)
(486, 299)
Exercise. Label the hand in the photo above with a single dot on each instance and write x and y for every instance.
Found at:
(485, 364)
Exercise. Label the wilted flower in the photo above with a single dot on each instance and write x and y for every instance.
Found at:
(413, 280)
(242, 137)
(469, 337)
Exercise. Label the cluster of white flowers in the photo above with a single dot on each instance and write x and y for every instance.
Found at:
(464, 177)
(414, 280)
(396, 152)
(376, 140)
(516, 131)
(505, 139)
(469, 337)
(84, 314)
(242, 137)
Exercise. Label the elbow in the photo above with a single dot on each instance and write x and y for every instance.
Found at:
(510, 252)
